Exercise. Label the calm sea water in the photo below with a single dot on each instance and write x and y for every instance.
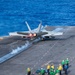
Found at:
(14, 13)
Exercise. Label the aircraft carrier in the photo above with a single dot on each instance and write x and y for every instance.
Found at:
(39, 54)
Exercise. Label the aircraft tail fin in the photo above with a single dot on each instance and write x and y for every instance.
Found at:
(39, 27)
(28, 26)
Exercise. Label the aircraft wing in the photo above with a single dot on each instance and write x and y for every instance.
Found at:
(53, 34)
(57, 33)
(58, 30)
(23, 33)
(15, 34)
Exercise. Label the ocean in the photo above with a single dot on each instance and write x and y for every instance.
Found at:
(14, 13)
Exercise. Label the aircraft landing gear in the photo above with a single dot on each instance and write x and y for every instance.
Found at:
(52, 37)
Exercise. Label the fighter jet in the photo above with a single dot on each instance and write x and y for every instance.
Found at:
(29, 34)
(40, 31)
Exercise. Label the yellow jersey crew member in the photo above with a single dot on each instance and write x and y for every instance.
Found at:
(28, 71)
(48, 69)
(52, 66)
(52, 69)
(60, 68)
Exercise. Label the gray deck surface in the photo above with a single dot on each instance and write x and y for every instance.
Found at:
(10, 43)
(42, 53)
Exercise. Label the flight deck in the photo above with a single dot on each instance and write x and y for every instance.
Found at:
(39, 54)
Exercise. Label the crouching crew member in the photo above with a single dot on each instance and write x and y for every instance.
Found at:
(42, 71)
(57, 72)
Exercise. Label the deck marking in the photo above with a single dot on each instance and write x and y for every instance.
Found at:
(44, 56)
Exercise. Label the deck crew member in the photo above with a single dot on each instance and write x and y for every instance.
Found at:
(28, 71)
